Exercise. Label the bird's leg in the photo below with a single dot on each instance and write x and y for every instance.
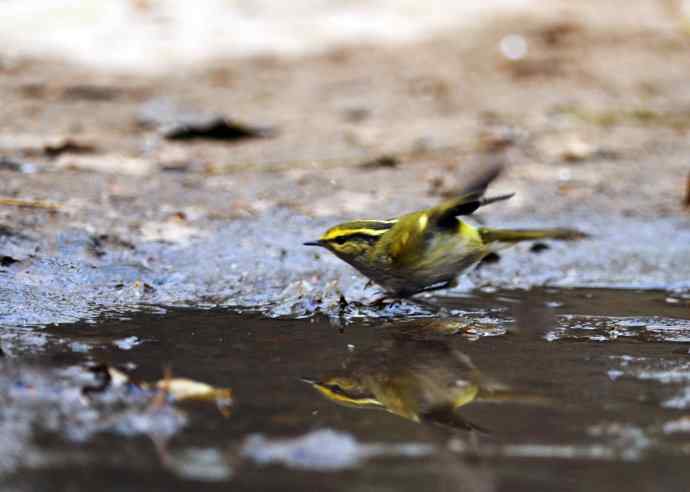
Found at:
(385, 298)
(442, 311)
(380, 298)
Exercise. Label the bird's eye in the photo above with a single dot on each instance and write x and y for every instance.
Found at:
(340, 240)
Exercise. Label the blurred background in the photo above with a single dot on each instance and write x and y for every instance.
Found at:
(147, 35)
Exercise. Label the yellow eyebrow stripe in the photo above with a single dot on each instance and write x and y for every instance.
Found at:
(338, 398)
(350, 232)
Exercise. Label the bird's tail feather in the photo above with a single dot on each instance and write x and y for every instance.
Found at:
(510, 396)
(490, 235)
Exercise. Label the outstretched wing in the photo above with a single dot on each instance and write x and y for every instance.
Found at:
(468, 201)
(408, 237)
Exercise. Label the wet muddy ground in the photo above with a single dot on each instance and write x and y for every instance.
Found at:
(512, 390)
(199, 186)
(155, 220)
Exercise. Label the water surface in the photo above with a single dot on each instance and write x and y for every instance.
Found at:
(516, 390)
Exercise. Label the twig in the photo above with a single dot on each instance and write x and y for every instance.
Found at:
(18, 202)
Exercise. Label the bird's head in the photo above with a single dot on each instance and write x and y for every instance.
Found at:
(345, 391)
(352, 239)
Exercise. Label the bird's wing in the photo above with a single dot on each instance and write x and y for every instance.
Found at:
(468, 200)
(405, 239)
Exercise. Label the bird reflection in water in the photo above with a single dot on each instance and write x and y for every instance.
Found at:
(423, 380)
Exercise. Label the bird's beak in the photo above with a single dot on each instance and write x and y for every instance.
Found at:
(313, 243)
(309, 381)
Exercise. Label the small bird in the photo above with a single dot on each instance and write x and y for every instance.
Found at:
(425, 381)
(422, 381)
(426, 250)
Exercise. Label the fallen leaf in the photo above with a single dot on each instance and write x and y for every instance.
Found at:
(188, 389)
(58, 146)
(182, 389)
(538, 247)
(6, 261)
(179, 389)
(29, 144)
(384, 161)
(91, 92)
(214, 128)
(177, 123)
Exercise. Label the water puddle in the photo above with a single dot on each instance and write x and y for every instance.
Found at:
(501, 390)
